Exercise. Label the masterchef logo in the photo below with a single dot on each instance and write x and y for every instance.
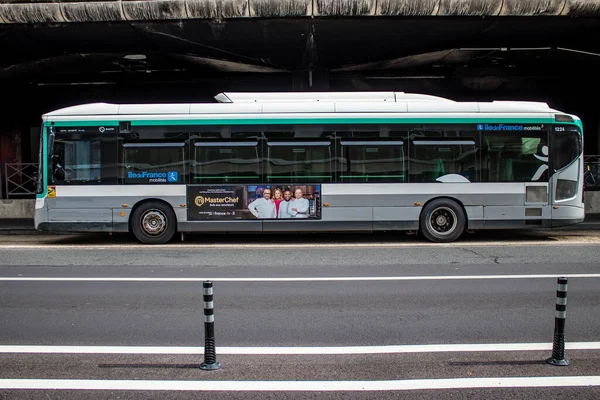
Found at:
(201, 200)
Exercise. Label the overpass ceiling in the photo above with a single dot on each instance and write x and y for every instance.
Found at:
(190, 49)
(58, 11)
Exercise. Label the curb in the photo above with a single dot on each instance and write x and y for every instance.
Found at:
(25, 227)
(21, 232)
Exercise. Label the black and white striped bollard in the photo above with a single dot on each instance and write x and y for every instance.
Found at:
(210, 357)
(558, 344)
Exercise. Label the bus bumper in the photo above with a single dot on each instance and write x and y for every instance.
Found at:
(567, 215)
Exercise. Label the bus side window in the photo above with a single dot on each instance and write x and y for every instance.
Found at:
(76, 160)
(514, 157)
(153, 162)
(57, 173)
(372, 161)
(299, 161)
(435, 157)
(234, 161)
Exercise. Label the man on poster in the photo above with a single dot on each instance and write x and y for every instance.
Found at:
(263, 207)
(284, 206)
(299, 206)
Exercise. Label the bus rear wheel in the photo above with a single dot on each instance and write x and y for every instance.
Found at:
(442, 221)
(153, 222)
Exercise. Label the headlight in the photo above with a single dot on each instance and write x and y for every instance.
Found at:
(565, 189)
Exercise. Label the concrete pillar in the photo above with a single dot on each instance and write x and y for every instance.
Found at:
(310, 81)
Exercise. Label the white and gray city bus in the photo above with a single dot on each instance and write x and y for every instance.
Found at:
(363, 161)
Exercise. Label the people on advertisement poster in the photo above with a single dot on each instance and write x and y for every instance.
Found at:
(299, 206)
(263, 207)
(284, 206)
(277, 199)
(283, 202)
(255, 194)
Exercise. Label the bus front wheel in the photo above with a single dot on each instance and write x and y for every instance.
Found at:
(153, 222)
(442, 221)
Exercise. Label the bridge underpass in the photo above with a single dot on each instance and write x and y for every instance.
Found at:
(57, 54)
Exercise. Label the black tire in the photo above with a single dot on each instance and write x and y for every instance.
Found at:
(153, 222)
(442, 221)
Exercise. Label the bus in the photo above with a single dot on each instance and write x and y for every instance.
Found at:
(309, 162)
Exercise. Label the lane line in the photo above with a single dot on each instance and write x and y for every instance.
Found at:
(391, 349)
(294, 279)
(301, 386)
(566, 241)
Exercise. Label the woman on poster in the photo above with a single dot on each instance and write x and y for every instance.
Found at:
(277, 199)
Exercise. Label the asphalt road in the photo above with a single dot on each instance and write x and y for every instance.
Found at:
(302, 316)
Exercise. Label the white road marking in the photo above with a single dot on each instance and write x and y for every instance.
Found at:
(302, 386)
(294, 279)
(391, 349)
(550, 241)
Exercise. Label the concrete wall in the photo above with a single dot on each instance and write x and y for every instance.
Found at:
(56, 11)
(16, 209)
(592, 202)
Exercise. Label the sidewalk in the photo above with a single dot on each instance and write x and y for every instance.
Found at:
(24, 226)
(591, 222)
(17, 226)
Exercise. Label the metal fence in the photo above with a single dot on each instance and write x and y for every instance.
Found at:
(591, 172)
(19, 180)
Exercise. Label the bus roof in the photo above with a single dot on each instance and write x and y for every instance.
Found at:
(298, 97)
(325, 102)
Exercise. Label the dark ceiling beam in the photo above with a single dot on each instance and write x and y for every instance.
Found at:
(66, 11)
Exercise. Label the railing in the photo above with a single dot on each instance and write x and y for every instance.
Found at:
(591, 172)
(20, 180)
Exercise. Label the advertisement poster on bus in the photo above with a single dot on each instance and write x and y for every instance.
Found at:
(276, 201)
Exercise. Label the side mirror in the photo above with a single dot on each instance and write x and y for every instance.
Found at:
(51, 136)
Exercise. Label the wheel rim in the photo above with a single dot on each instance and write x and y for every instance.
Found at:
(442, 221)
(154, 222)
